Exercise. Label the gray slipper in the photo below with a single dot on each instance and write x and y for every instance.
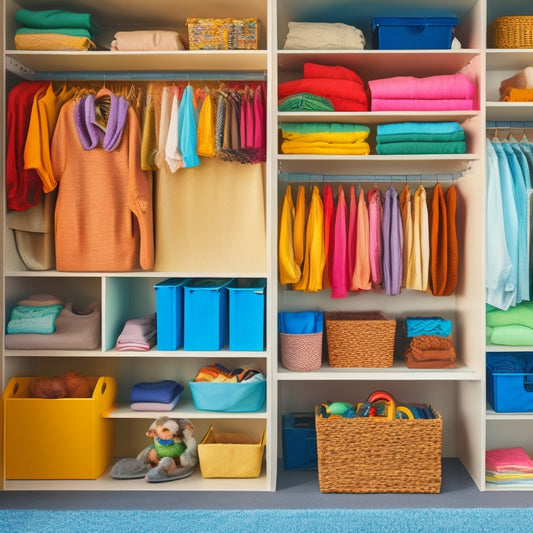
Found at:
(129, 468)
(159, 474)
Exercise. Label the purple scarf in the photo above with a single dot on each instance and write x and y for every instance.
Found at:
(90, 133)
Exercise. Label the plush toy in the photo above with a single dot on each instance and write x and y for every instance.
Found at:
(67, 385)
(174, 451)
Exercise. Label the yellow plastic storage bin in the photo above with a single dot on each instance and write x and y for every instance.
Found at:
(234, 455)
(63, 438)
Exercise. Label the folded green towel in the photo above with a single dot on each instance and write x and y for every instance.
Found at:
(56, 18)
(305, 102)
(74, 32)
(513, 335)
(320, 127)
(412, 148)
(520, 314)
(423, 137)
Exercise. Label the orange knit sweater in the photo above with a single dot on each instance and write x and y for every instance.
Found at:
(103, 216)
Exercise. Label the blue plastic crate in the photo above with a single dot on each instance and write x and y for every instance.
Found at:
(510, 392)
(205, 319)
(413, 33)
(299, 441)
(169, 304)
(247, 314)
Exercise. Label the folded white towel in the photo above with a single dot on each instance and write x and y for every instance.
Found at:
(323, 36)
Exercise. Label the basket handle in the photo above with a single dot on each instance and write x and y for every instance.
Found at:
(382, 395)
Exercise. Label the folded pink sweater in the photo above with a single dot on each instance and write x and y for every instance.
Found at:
(406, 104)
(441, 87)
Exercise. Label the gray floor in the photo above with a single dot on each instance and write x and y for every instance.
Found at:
(295, 490)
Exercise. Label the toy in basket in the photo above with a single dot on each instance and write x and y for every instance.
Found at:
(378, 446)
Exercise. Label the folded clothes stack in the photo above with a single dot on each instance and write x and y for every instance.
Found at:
(55, 29)
(138, 334)
(508, 466)
(155, 396)
(513, 327)
(220, 374)
(323, 36)
(446, 92)
(431, 344)
(326, 138)
(518, 88)
(420, 138)
(146, 40)
(342, 87)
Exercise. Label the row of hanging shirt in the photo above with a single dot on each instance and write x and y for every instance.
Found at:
(179, 124)
(509, 171)
(371, 241)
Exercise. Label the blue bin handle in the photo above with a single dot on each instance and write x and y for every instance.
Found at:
(528, 383)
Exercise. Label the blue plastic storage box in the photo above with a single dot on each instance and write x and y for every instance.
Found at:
(228, 397)
(413, 33)
(299, 441)
(510, 382)
(169, 318)
(247, 314)
(205, 318)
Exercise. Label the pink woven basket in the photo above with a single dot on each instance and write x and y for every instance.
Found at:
(301, 352)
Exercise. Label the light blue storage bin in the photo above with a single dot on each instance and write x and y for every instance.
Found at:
(205, 318)
(169, 304)
(228, 397)
(247, 314)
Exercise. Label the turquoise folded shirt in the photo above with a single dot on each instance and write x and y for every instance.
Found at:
(418, 127)
(412, 148)
(320, 127)
(424, 137)
(33, 319)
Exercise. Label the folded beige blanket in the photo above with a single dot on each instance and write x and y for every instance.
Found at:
(146, 40)
(323, 36)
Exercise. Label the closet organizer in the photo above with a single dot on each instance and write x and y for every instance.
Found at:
(223, 218)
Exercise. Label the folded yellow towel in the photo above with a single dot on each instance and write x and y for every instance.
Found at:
(517, 95)
(52, 41)
(326, 136)
(325, 148)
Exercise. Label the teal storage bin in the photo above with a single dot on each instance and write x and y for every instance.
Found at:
(299, 441)
(229, 397)
(413, 33)
(247, 314)
(169, 316)
(205, 319)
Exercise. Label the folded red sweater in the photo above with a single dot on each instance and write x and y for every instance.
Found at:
(313, 70)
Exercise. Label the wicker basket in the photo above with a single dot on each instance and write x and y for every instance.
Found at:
(360, 339)
(511, 32)
(301, 352)
(360, 455)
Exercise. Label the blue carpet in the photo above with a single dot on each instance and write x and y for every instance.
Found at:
(484, 520)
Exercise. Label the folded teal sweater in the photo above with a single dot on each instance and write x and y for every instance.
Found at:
(424, 137)
(56, 18)
(321, 127)
(305, 102)
(412, 148)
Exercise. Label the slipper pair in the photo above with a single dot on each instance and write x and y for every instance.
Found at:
(132, 468)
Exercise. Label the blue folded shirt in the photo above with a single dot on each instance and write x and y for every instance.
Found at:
(301, 322)
(159, 391)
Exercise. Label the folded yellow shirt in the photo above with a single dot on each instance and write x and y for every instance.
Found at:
(324, 148)
(326, 136)
(518, 95)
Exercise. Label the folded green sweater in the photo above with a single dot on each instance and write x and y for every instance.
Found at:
(520, 314)
(423, 137)
(513, 335)
(403, 148)
(320, 127)
(56, 18)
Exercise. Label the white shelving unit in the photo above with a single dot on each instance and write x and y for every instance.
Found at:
(458, 394)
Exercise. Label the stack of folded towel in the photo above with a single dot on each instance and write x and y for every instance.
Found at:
(55, 29)
(138, 334)
(431, 344)
(420, 138)
(155, 396)
(518, 88)
(447, 92)
(508, 466)
(513, 327)
(323, 36)
(324, 138)
(344, 89)
(146, 40)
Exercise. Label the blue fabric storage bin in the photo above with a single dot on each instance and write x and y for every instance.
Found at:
(247, 314)
(299, 441)
(205, 319)
(413, 33)
(228, 397)
(510, 382)
(169, 316)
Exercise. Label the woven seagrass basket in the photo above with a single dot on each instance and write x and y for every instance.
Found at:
(360, 339)
(363, 455)
(511, 32)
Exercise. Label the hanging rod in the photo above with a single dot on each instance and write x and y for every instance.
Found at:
(506, 124)
(319, 178)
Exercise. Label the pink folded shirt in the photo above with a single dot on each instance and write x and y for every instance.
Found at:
(504, 459)
(440, 87)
